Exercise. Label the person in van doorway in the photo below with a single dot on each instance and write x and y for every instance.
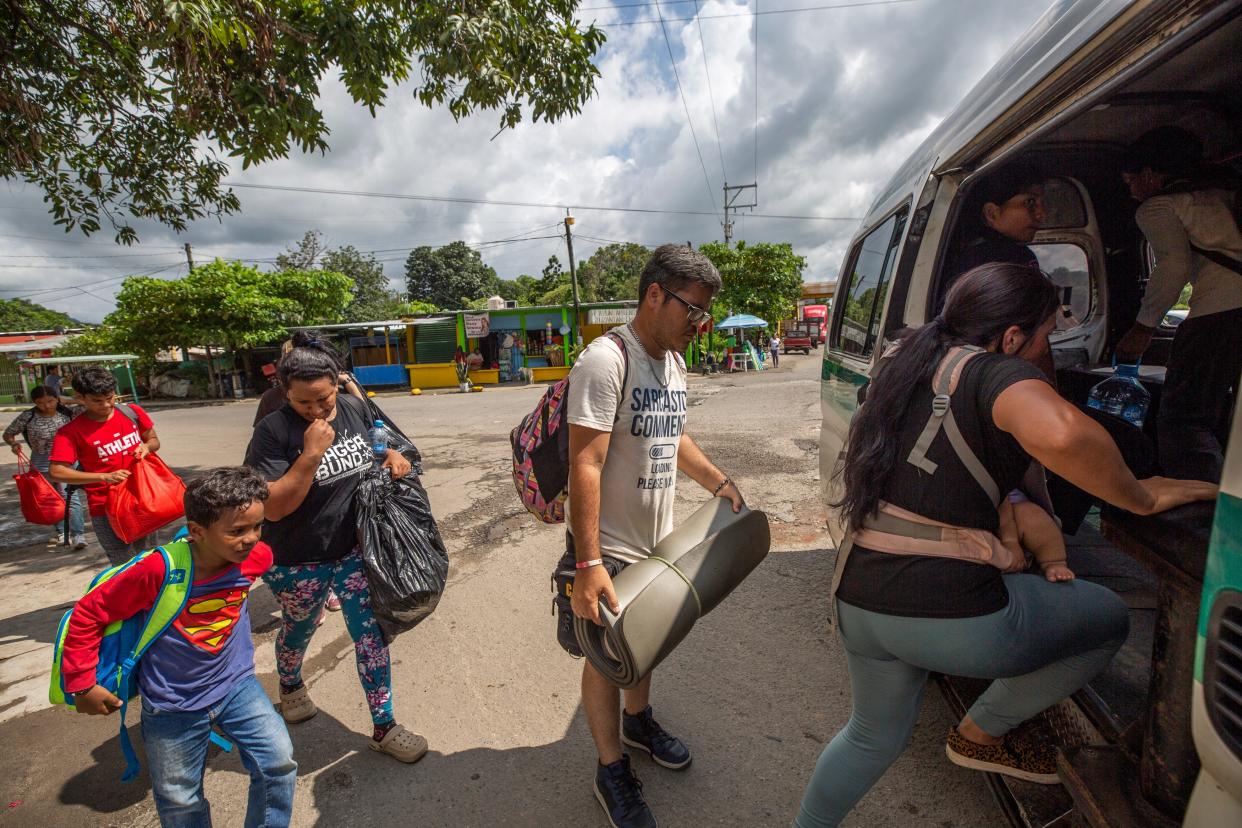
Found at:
(39, 426)
(625, 409)
(1195, 239)
(313, 452)
(902, 615)
(104, 441)
(1010, 209)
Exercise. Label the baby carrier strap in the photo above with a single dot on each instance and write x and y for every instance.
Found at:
(900, 532)
(944, 383)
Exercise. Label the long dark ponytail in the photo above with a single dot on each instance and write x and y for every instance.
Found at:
(979, 308)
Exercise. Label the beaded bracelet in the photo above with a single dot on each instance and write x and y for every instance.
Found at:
(723, 483)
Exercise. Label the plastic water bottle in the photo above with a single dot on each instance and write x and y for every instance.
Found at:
(379, 441)
(1122, 395)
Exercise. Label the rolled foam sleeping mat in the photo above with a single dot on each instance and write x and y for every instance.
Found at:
(688, 574)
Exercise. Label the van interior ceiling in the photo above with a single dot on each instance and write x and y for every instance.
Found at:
(1101, 256)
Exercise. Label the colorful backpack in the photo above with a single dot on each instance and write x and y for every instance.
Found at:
(124, 642)
(541, 449)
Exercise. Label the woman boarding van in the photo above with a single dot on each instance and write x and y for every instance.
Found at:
(1069, 100)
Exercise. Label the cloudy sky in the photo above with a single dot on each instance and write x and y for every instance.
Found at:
(843, 96)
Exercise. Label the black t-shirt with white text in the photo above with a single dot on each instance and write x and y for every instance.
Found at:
(323, 527)
(926, 587)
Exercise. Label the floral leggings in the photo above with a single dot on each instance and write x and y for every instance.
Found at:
(301, 591)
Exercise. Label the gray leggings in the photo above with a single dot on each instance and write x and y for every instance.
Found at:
(1047, 643)
(117, 550)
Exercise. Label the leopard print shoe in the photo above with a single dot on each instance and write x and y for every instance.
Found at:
(1015, 756)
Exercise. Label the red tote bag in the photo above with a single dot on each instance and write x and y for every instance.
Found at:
(151, 497)
(41, 503)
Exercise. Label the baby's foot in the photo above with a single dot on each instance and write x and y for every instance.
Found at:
(1058, 572)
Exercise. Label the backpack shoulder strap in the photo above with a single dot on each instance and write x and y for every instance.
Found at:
(625, 369)
(944, 383)
(129, 413)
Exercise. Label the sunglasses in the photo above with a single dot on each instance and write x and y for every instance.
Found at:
(694, 314)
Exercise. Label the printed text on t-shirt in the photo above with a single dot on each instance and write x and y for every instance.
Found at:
(117, 446)
(659, 413)
(349, 456)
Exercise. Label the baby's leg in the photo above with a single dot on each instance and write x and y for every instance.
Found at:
(1009, 534)
(1039, 534)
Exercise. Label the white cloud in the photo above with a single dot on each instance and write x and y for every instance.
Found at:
(844, 96)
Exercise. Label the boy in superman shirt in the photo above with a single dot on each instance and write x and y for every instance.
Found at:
(105, 441)
(200, 672)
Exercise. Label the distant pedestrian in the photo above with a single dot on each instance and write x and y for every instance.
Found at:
(39, 426)
(775, 345)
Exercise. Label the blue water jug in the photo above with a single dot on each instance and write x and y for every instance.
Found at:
(379, 440)
(1122, 395)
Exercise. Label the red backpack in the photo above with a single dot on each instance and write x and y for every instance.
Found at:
(41, 503)
(541, 449)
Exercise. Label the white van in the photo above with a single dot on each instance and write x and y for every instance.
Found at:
(1082, 84)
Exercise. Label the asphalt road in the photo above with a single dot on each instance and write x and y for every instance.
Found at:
(755, 691)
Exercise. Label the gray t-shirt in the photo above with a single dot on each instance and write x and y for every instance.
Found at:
(647, 419)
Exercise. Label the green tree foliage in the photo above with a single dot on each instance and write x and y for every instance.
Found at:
(449, 277)
(125, 108)
(373, 298)
(612, 272)
(223, 304)
(762, 279)
(22, 315)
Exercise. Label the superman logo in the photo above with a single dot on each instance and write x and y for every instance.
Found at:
(208, 621)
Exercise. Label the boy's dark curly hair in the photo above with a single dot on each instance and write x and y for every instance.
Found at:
(98, 381)
(209, 496)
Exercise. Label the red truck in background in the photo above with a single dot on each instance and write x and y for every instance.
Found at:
(816, 319)
(797, 336)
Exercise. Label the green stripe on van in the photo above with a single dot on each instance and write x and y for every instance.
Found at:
(835, 370)
(1224, 565)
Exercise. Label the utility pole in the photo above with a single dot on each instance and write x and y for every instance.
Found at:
(732, 195)
(573, 273)
(189, 257)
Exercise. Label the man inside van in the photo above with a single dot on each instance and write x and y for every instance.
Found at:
(1010, 204)
(627, 443)
(1194, 238)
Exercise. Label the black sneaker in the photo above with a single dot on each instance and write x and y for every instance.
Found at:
(644, 732)
(621, 795)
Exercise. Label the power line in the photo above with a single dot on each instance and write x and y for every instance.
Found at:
(754, 13)
(70, 241)
(710, 95)
(528, 204)
(673, 62)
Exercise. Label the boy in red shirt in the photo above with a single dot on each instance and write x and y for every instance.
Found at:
(200, 671)
(105, 442)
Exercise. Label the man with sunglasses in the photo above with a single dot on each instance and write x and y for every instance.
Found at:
(627, 442)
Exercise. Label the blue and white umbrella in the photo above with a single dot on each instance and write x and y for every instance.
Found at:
(742, 320)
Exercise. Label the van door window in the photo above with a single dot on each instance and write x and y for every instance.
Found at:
(1068, 267)
(873, 262)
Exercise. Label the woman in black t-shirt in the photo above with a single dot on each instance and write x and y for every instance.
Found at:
(313, 452)
(903, 616)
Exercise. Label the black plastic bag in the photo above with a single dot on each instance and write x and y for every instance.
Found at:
(406, 561)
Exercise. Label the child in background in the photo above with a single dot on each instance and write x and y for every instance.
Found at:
(200, 672)
(105, 440)
(1026, 527)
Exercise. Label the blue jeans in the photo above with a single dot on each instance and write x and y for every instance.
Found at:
(177, 756)
(1047, 643)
